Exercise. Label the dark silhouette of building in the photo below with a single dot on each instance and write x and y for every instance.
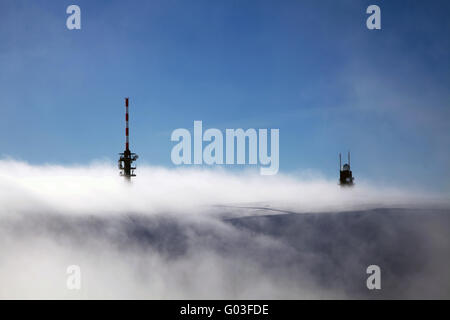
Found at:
(345, 173)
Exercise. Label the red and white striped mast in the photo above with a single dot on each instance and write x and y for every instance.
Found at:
(127, 143)
(127, 157)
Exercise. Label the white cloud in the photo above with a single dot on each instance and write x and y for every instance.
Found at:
(164, 236)
(98, 189)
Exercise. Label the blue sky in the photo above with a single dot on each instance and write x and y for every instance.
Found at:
(310, 68)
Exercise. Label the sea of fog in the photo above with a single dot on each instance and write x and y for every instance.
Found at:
(199, 233)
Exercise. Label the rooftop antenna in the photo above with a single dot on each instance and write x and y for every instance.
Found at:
(349, 158)
(127, 157)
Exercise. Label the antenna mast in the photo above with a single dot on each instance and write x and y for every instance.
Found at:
(127, 157)
(349, 159)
